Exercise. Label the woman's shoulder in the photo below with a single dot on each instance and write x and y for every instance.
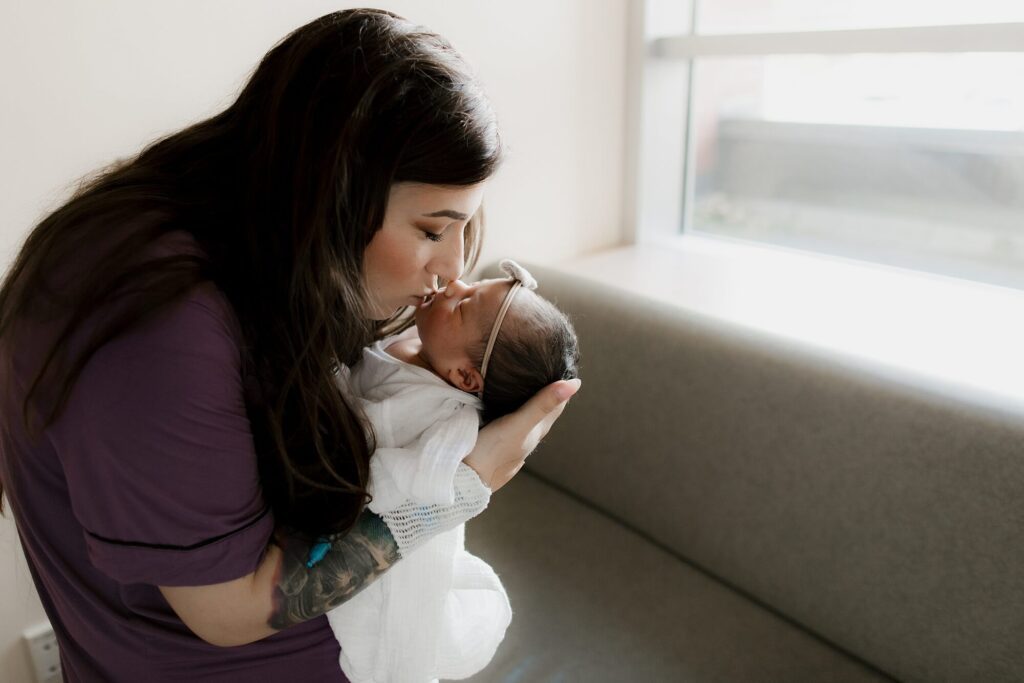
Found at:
(198, 325)
(202, 321)
(207, 303)
(202, 309)
(185, 356)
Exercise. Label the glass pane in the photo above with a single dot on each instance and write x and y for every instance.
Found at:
(910, 160)
(754, 16)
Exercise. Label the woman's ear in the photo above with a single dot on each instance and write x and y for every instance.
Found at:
(467, 378)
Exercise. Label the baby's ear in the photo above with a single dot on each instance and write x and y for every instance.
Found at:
(466, 378)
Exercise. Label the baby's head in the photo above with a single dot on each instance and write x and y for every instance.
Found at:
(533, 345)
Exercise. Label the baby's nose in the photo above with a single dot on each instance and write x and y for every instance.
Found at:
(455, 288)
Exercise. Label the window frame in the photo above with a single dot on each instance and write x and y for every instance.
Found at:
(956, 339)
(660, 165)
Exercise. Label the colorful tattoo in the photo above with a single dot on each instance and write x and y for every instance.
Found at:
(351, 563)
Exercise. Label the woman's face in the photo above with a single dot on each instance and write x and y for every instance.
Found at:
(420, 241)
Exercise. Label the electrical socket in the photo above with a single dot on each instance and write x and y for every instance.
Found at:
(42, 650)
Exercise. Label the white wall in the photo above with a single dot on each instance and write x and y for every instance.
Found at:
(85, 83)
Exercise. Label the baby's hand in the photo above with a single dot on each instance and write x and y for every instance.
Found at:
(502, 446)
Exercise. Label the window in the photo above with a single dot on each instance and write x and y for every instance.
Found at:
(887, 131)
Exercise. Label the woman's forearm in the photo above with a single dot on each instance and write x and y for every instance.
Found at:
(354, 561)
(284, 590)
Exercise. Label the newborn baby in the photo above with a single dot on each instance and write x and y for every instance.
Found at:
(477, 352)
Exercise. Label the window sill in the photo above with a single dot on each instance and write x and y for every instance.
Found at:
(955, 337)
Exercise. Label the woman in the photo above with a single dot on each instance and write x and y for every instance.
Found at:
(172, 444)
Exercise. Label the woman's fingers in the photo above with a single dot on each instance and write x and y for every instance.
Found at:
(503, 445)
(540, 412)
(548, 403)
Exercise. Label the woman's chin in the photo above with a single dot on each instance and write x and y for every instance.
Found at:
(381, 313)
(385, 311)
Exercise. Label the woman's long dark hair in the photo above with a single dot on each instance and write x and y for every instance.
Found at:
(282, 191)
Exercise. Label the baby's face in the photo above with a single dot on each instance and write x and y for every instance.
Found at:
(458, 319)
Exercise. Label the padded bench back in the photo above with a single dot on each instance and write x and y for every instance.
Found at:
(888, 520)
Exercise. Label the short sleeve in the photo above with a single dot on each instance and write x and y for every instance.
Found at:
(158, 453)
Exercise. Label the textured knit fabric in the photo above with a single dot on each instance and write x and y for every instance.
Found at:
(412, 523)
(441, 612)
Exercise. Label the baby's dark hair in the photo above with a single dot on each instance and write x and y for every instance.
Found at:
(536, 345)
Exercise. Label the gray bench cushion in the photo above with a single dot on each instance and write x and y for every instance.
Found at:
(593, 602)
(878, 512)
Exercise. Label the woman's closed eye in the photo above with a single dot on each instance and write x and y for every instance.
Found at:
(433, 236)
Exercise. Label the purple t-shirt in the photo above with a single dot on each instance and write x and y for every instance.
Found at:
(147, 479)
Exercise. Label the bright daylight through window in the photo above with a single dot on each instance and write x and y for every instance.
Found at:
(862, 132)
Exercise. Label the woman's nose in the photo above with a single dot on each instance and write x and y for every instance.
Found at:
(449, 265)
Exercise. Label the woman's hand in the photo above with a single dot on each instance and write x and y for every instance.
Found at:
(502, 446)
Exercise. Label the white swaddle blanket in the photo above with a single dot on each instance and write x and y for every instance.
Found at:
(441, 612)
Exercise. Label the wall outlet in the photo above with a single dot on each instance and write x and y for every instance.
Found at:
(42, 650)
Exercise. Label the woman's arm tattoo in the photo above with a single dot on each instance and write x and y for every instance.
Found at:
(353, 562)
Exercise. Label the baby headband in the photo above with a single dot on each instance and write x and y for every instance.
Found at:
(522, 278)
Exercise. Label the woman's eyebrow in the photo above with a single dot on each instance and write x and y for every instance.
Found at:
(447, 213)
